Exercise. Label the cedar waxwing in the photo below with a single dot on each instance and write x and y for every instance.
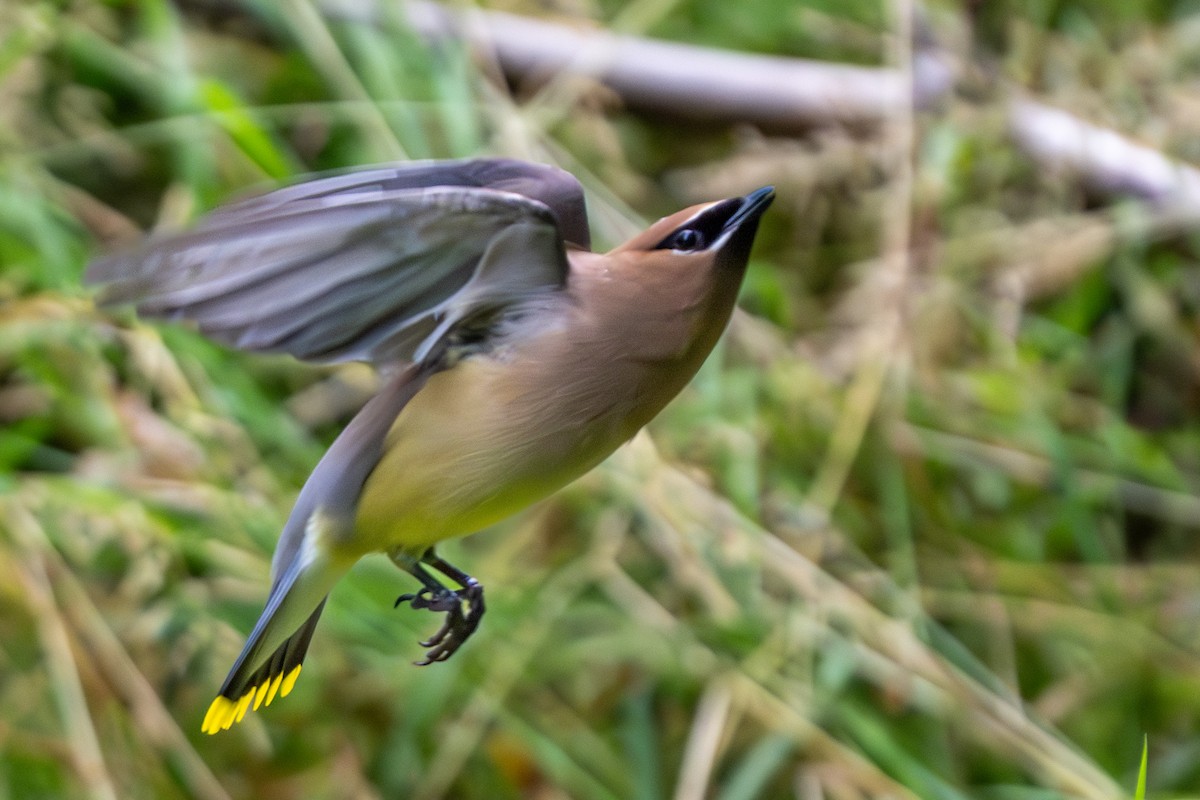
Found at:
(518, 359)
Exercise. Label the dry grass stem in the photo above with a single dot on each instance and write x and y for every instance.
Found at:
(484, 704)
(708, 724)
(59, 658)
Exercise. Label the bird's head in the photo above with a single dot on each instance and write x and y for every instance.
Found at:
(722, 231)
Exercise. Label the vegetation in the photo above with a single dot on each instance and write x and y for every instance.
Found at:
(924, 526)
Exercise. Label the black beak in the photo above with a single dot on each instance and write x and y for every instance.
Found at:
(753, 205)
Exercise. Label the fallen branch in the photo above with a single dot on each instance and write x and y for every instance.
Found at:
(776, 93)
(786, 93)
(688, 81)
(1107, 161)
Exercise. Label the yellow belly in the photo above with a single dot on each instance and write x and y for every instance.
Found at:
(473, 447)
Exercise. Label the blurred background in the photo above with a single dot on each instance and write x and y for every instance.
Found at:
(925, 525)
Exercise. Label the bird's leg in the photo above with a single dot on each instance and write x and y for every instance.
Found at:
(457, 627)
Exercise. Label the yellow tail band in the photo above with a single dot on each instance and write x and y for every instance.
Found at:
(225, 712)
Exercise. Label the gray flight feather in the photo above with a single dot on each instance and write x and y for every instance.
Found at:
(377, 265)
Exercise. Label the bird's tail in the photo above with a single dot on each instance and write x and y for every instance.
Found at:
(245, 690)
(268, 666)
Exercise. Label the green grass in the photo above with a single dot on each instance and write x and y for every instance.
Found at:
(944, 553)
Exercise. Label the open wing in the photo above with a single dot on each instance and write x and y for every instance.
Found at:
(376, 265)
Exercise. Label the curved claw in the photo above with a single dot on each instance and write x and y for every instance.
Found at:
(457, 627)
(439, 637)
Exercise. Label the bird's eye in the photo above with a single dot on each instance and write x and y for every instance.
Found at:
(687, 240)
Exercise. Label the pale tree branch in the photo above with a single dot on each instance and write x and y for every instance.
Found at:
(692, 82)
(778, 93)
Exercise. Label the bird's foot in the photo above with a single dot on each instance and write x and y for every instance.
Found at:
(457, 627)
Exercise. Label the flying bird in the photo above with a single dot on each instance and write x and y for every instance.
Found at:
(515, 359)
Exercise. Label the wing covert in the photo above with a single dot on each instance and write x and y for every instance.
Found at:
(555, 188)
